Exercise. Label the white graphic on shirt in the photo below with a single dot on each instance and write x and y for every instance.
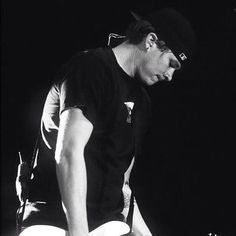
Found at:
(129, 106)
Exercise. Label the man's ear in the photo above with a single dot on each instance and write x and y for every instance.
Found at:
(151, 39)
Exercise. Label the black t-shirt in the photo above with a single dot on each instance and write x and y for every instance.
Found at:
(118, 107)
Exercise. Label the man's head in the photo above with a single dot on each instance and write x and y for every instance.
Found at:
(167, 39)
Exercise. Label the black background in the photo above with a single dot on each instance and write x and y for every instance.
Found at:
(186, 178)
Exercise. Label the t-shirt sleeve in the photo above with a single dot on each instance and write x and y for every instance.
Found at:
(83, 87)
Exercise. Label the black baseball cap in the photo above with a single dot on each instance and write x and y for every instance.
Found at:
(174, 29)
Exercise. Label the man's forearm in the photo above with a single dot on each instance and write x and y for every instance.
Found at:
(139, 226)
(71, 173)
(73, 135)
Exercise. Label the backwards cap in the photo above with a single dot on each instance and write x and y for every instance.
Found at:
(175, 30)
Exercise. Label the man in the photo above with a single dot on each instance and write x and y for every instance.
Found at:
(94, 120)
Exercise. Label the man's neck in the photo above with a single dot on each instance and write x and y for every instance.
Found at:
(126, 56)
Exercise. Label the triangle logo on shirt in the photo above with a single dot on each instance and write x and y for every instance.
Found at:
(129, 106)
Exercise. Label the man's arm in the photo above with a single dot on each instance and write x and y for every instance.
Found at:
(74, 132)
(139, 226)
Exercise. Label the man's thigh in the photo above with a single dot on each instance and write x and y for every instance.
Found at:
(43, 230)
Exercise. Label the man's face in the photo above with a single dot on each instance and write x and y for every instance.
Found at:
(157, 65)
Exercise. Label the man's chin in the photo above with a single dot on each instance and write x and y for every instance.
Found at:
(148, 81)
(151, 81)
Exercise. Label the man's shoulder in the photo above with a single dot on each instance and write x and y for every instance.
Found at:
(99, 60)
(88, 65)
(92, 60)
(98, 55)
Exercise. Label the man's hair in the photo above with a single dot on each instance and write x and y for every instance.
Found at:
(140, 29)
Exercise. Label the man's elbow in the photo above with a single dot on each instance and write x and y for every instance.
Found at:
(68, 155)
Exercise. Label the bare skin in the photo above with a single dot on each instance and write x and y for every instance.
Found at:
(146, 61)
